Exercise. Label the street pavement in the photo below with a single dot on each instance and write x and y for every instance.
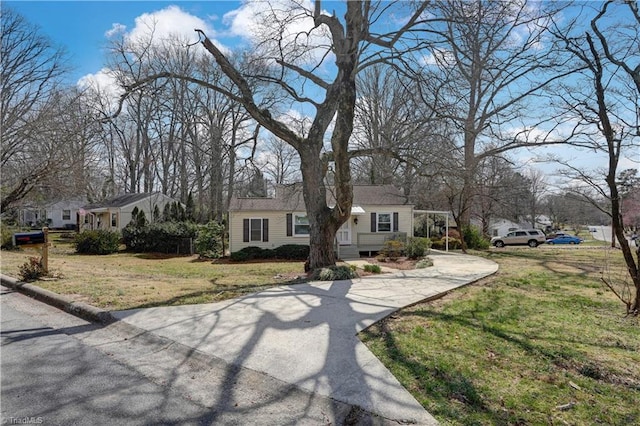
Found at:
(49, 377)
(305, 334)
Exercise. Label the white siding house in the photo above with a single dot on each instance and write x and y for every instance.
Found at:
(115, 213)
(64, 214)
(379, 213)
(500, 227)
(59, 215)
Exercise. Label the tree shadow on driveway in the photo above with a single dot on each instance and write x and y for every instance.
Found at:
(302, 335)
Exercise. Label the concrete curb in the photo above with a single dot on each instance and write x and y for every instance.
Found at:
(79, 309)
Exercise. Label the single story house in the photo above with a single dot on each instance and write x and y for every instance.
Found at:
(58, 215)
(379, 213)
(500, 227)
(115, 213)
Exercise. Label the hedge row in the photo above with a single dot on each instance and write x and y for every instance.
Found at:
(285, 252)
(164, 237)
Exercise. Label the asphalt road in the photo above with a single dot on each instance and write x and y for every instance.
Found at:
(52, 378)
(602, 233)
(58, 369)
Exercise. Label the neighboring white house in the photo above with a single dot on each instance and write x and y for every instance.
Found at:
(64, 214)
(379, 213)
(115, 213)
(500, 227)
(59, 215)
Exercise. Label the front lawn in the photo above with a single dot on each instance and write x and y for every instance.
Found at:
(126, 280)
(540, 342)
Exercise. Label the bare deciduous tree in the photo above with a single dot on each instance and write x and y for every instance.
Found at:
(487, 61)
(31, 69)
(296, 67)
(605, 103)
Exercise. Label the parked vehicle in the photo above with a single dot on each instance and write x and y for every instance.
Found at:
(564, 239)
(530, 237)
(555, 234)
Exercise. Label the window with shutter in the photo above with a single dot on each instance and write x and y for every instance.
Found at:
(300, 225)
(255, 229)
(289, 224)
(384, 222)
(245, 230)
(265, 230)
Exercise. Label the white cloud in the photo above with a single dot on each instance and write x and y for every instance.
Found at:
(264, 23)
(116, 29)
(439, 57)
(104, 86)
(168, 23)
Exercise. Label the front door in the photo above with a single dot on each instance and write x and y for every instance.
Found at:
(344, 233)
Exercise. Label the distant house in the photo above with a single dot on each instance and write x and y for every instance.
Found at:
(379, 213)
(64, 214)
(500, 227)
(115, 213)
(58, 215)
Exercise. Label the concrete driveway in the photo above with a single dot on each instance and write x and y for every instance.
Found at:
(305, 334)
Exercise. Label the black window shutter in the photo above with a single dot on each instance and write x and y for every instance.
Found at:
(265, 230)
(245, 230)
(395, 221)
(374, 219)
(289, 224)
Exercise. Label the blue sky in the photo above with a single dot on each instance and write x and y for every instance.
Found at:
(81, 26)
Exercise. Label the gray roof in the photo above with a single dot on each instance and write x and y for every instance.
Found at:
(121, 200)
(289, 198)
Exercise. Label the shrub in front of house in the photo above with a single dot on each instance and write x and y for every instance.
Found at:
(392, 249)
(335, 273)
(98, 241)
(417, 247)
(247, 253)
(164, 237)
(454, 244)
(252, 253)
(7, 236)
(374, 269)
(239, 256)
(474, 239)
(285, 252)
(209, 241)
(292, 252)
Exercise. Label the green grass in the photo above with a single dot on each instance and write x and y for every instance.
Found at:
(516, 347)
(125, 280)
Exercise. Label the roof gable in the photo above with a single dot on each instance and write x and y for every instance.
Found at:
(124, 200)
(289, 198)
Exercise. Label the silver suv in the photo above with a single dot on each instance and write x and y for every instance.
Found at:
(530, 237)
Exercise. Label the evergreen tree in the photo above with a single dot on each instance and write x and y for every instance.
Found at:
(190, 209)
(156, 213)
